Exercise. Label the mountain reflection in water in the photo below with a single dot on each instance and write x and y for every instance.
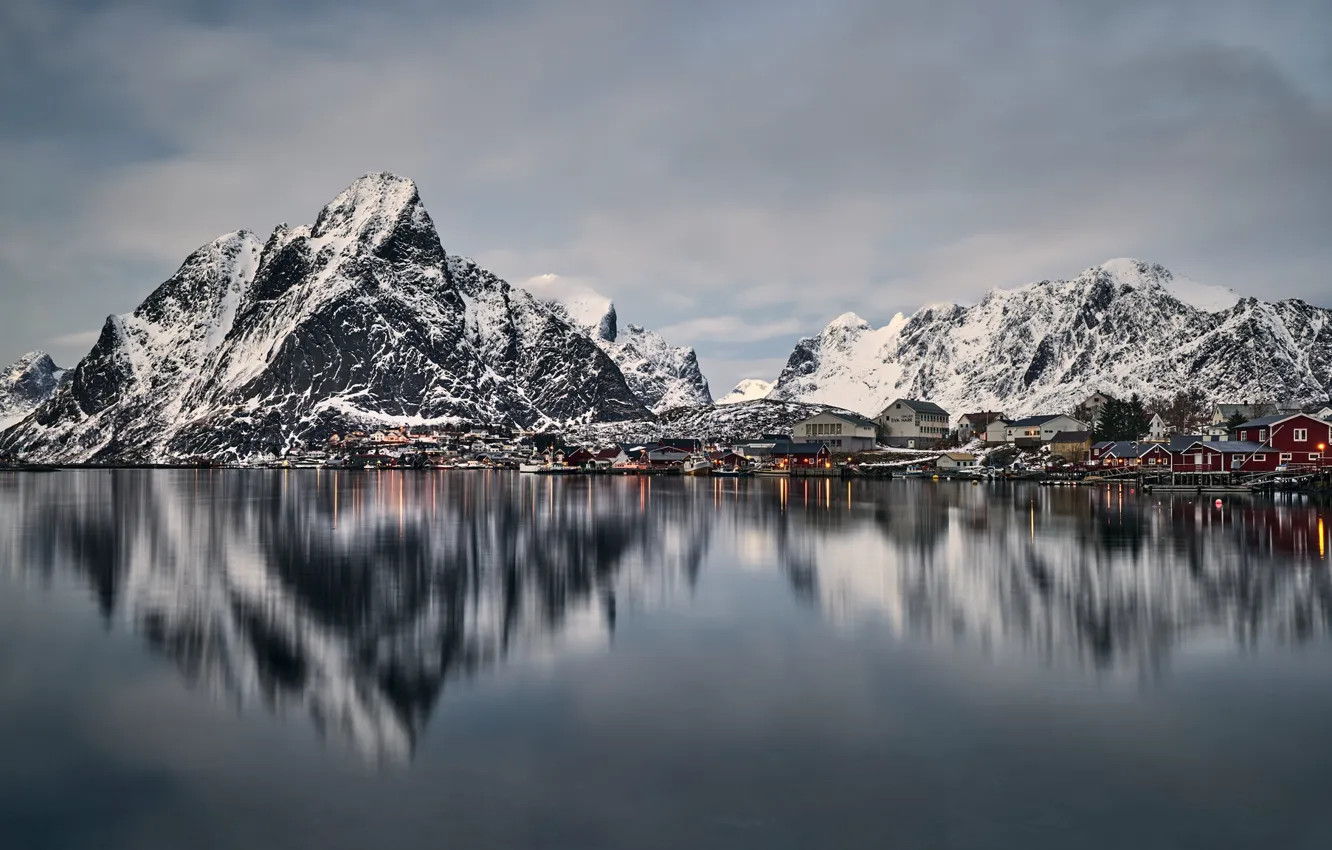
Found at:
(353, 597)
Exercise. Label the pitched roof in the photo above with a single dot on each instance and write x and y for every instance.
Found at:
(982, 418)
(1036, 420)
(1124, 448)
(919, 406)
(1071, 437)
(959, 455)
(1222, 446)
(1262, 421)
(1180, 442)
(846, 416)
(689, 444)
(804, 449)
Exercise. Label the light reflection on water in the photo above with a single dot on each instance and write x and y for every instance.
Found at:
(355, 600)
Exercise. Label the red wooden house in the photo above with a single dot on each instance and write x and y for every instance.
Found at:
(1130, 454)
(1193, 454)
(1153, 454)
(1296, 441)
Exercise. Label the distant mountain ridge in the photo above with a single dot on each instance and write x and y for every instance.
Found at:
(1122, 327)
(750, 389)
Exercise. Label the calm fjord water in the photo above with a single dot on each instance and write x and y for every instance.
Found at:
(478, 659)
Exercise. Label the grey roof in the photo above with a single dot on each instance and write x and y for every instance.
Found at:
(1035, 420)
(1222, 445)
(1180, 442)
(920, 406)
(805, 448)
(1263, 420)
(982, 418)
(1124, 448)
(846, 415)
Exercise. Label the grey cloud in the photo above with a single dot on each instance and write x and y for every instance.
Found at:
(780, 162)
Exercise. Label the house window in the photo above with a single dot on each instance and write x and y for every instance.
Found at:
(1314, 456)
(1262, 435)
(1258, 458)
(1285, 457)
(1301, 435)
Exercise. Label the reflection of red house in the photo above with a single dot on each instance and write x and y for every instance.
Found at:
(1297, 440)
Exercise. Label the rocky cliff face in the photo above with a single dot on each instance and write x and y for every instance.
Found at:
(661, 375)
(26, 384)
(360, 320)
(1122, 327)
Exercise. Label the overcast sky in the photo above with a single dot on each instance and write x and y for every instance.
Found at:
(734, 174)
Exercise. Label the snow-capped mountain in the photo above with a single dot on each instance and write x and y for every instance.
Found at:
(750, 389)
(1122, 327)
(28, 382)
(360, 320)
(661, 375)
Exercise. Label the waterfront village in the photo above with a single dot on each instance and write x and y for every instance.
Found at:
(1246, 445)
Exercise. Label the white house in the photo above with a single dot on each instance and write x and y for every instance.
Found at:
(1041, 429)
(997, 431)
(912, 424)
(956, 460)
(972, 425)
(841, 430)
(1157, 430)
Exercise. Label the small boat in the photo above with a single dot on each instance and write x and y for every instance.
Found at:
(772, 471)
(733, 472)
(531, 466)
(558, 470)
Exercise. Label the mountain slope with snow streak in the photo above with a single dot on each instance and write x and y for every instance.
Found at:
(358, 321)
(1122, 327)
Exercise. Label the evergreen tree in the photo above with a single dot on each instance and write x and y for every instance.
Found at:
(1122, 420)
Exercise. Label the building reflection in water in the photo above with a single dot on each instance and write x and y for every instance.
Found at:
(353, 598)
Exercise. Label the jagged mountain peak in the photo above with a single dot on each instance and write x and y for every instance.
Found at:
(848, 321)
(372, 203)
(32, 362)
(27, 383)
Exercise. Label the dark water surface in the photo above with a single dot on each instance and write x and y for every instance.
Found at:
(474, 659)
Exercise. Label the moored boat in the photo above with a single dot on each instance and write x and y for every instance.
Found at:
(733, 472)
(695, 465)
